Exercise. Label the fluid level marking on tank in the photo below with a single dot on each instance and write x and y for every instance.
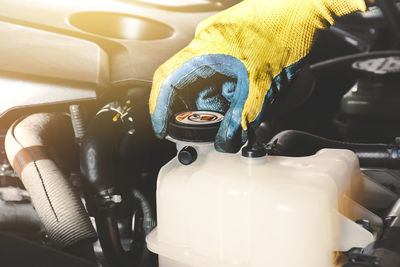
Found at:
(199, 117)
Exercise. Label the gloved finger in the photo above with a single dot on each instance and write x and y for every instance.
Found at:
(231, 136)
(207, 82)
(172, 87)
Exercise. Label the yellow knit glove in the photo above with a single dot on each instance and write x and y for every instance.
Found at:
(266, 38)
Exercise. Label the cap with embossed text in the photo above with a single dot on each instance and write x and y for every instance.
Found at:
(195, 126)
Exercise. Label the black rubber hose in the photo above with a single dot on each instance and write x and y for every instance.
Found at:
(107, 199)
(35, 146)
(346, 61)
(296, 143)
(99, 151)
(108, 227)
(149, 221)
(350, 38)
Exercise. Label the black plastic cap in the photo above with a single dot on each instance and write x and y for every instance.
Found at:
(253, 149)
(382, 69)
(187, 155)
(253, 152)
(195, 126)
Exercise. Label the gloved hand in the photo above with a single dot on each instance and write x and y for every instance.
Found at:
(237, 61)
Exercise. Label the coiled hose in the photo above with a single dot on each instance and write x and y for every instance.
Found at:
(29, 144)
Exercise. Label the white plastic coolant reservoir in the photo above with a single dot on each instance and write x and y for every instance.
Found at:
(228, 210)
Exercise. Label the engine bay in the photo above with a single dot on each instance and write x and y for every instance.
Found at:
(85, 182)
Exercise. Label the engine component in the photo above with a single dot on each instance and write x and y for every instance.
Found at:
(370, 110)
(78, 121)
(187, 155)
(296, 143)
(110, 200)
(376, 93)
(389, 8)
(268, 203)
(201, 206)
(387, 248)
(385, 252)
(17, 211)
(15, 251)
(30, 149)
(98, 166)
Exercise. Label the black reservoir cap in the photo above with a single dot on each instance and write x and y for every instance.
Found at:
(195, 126)
(378, 69)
